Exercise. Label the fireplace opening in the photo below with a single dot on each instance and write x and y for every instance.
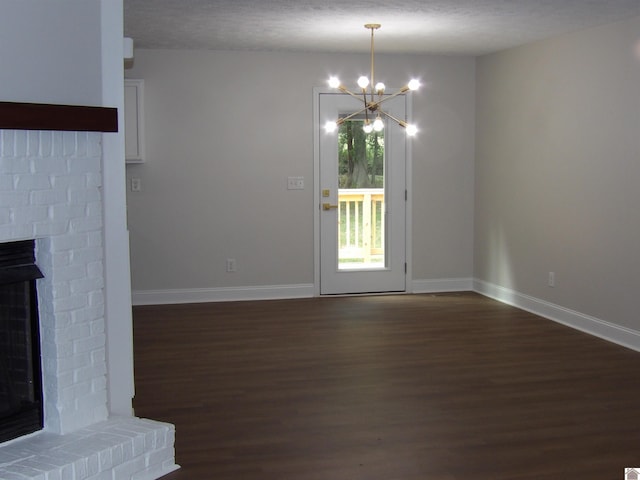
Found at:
(21, 405)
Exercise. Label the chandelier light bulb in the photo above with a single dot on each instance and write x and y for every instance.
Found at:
(411, 129)
(367, 127)
(330, 126)
(334, 82)
(363, 82)
(380, 87)
(414, 84)
(378, 124)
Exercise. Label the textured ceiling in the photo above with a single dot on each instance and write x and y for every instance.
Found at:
(463, 27)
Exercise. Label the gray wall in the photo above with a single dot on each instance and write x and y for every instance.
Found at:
(61, 62)
(225, 129)
(558, 171)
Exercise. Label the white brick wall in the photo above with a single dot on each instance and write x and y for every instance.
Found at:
(50, 191)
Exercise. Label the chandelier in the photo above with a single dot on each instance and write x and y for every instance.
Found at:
(372, 95)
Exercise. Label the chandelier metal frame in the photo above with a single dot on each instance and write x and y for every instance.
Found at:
(372, 95)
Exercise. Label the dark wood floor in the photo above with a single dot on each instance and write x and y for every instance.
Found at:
(400, 387)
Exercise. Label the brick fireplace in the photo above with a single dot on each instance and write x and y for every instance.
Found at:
(50, 192)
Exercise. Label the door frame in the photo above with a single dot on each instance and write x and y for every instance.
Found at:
(317, 200)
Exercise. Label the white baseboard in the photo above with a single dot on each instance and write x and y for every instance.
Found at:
(225, 294)
(271, 292)
(442, 285)
(594, 326)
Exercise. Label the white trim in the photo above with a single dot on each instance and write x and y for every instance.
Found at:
(408, 207)
(136, 110)
(585, 323)
(117, 271)
(223, 294)
(271, 292)
(442, 285)
(600, 328)
(316, 187)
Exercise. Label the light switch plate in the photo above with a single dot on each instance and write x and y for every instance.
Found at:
(136, 185)
(295, 183)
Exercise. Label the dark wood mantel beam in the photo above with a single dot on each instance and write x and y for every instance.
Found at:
(42, 116)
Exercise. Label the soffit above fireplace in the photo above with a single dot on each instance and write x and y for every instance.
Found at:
(42, 116)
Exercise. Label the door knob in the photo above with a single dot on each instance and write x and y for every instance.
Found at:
(328, 206)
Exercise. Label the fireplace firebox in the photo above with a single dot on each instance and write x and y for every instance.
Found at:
(21, 410)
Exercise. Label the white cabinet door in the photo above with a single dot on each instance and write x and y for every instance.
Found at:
(133, 120)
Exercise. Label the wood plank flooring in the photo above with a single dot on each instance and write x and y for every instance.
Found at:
(405, 387)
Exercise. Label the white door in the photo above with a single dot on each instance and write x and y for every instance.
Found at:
(362, 188)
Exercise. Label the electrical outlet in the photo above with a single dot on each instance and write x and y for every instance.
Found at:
(231, 265)
(551, 279)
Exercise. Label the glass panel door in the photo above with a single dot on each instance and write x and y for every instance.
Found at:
(362, 184)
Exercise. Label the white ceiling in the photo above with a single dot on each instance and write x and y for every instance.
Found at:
(460, 27)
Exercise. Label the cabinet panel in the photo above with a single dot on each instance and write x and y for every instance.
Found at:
(133, 120)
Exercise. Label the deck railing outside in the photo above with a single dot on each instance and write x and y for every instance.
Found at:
(361, 222)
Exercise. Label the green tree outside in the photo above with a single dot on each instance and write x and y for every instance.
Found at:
(360, 156)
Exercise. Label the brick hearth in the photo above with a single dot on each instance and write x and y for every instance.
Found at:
(50, 191)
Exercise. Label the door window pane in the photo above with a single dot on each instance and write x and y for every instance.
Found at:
(361, 212)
